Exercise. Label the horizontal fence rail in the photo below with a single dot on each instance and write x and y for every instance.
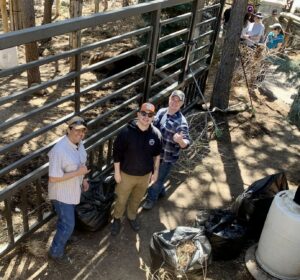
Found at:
(147, 55)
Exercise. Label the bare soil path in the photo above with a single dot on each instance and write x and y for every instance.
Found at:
(250, 149)
(254, 148)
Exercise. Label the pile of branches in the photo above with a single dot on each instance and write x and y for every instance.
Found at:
(251, 65)
(201, 131)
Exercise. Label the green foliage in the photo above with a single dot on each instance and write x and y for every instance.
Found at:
(218, 132)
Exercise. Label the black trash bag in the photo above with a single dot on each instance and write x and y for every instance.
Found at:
(93, 212)
(165, 245)
(226, 236)
(252, 206)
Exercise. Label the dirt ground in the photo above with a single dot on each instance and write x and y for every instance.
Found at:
(248, 149)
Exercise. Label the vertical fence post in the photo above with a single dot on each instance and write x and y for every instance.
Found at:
(152, 53)
(77, 82)
(24, 210)
(9, 222)
(196, 5)
(215, 34)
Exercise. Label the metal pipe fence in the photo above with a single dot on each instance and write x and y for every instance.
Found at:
(113, 74)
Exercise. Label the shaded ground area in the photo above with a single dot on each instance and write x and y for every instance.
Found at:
(249, 149)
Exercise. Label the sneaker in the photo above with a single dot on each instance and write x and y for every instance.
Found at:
(134, 224)
(64, 260)
(115, 227)
(148, 204)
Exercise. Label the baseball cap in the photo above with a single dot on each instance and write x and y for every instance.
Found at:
(77, 123)
(276, 25)
(258, 15)
(148, 107)
(179, 94)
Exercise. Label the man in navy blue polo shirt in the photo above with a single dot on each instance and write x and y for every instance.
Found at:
(175, 133)
(136, 155)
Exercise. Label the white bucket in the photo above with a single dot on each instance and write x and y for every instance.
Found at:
(8, 58)
(278, 251)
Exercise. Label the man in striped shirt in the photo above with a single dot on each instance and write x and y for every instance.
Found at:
(67, 167)
(175, 133)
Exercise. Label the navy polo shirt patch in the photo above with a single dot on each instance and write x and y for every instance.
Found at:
(151, 142)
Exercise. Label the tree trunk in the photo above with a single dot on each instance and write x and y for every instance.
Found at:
(31, 49)
(57, 6)
(4, 15)
(15, 15)
(47, 19)
(75, 37)
(47, 11)
(222, 85)
(97, 2)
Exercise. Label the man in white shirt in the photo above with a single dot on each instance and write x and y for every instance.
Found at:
(67, 168)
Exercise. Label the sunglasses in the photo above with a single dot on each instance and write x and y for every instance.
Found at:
(144, 114)
(78, 123)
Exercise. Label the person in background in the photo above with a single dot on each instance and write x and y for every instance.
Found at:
(67, 168)
(270, 20)
(275, 38)
(248, 21)
(255, 33)
(175, 132)
(136, 153)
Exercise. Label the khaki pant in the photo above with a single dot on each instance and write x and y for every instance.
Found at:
(131, 189)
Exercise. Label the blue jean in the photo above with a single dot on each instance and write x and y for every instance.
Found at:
(64, 227)
(158, 187)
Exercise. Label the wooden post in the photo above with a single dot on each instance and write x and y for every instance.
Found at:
(57, 7)
(75, 37)
(75, 42)
(4, 15)
(222, 85)
(31, 49)
(15, 15)
(97, 2)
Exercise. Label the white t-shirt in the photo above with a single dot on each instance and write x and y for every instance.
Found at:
(256, 30)
(66, 157)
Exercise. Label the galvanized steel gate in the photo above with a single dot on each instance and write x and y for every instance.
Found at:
(108, 102)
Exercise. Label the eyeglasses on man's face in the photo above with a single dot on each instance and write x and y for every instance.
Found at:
(144, 114)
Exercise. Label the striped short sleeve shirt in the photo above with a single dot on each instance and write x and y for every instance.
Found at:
(66, 157)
